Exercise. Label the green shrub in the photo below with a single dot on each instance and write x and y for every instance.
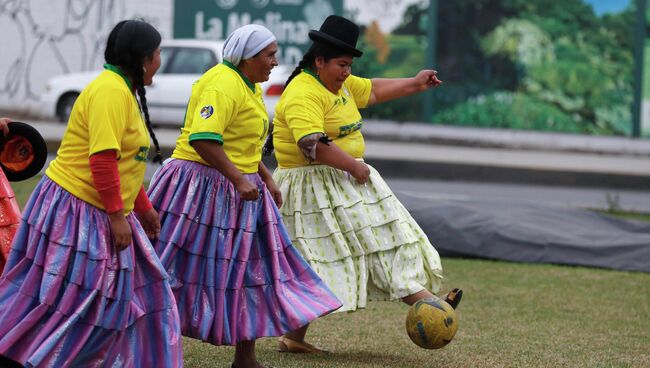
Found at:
(509, 110)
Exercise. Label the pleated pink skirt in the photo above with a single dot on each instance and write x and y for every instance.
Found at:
(235, 274)
(67, 298)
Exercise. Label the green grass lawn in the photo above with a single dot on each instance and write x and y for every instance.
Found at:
(512, 315)
(23, 189)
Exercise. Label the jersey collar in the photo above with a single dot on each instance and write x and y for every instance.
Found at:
(250, 84)
(308, 71)
(117, 70)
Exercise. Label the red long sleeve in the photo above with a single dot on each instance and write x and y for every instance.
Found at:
(106, 177)
(142, 203)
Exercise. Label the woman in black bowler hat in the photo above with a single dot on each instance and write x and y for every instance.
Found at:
(339, 211)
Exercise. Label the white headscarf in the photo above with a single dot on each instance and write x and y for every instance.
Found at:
(245, 42)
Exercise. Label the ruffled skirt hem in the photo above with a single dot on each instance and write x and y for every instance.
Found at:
(68, 298)
(358, 237)
(235, 274)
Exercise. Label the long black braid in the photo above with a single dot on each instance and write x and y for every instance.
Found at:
(129, 43)
(308, 61)
(139, 87)
(267, 149)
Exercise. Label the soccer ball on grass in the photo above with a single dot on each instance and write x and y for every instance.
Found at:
(431, 323)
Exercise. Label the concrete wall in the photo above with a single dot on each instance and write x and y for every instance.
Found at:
(43, 38)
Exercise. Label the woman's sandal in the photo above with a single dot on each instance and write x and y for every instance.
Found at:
(454, 297)
(287, 345)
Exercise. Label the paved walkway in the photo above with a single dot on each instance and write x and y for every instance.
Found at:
(504, 138)
(499, 155)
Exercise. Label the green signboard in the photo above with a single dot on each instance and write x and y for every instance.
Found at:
(289, 20)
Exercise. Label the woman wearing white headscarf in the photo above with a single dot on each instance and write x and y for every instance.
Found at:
(235, 274)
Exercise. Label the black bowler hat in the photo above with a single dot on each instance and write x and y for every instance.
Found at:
(338, 32)
(22, 152)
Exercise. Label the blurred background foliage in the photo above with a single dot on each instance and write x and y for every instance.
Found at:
(551, 65)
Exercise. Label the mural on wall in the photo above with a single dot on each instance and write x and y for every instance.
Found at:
(552, 65)
(44, 38)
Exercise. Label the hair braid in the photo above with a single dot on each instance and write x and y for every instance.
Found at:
(139, 87)
(307, 60)
(267, 149)
(129, 43)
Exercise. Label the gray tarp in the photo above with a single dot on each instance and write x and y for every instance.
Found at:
(531, 232)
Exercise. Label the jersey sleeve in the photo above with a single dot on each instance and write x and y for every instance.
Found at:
(213, 113)
(108, 115)
(360, 89)
(304, 115)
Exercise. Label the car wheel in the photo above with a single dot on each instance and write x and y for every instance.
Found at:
(64, 107)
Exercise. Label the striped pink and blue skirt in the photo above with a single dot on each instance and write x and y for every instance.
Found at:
(235, 274)
(69, 299)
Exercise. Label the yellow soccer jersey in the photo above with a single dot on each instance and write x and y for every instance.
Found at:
(307, 107)
(106, 116)
(225, 106)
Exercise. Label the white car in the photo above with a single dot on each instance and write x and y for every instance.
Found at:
(183, 61)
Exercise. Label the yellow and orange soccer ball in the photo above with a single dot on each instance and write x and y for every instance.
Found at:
(431, 323)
